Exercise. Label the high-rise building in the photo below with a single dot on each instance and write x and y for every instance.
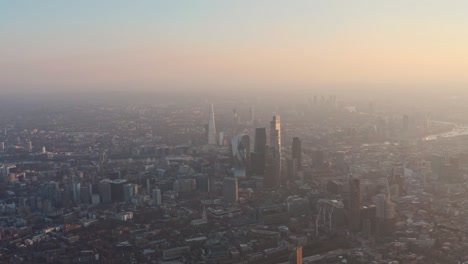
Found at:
(129, 191)
(275, 132)
(240, 146)
(252, 116)
(272, 176)
(248, 158)
(221, 138)
(291, 166)
(258, 157)
(354, 204)
(211, 127)
(104, 189)
(85, 194)
(275, 145)
(230, 190)
(297, 152)
(156, 195)
(117, 190)
(76, 193)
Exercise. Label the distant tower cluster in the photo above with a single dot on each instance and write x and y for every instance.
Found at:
(212, 127)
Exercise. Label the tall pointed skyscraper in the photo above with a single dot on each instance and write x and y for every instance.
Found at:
(275, 132)
(275, 145)
(211, 127)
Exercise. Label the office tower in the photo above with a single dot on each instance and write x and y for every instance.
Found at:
(275, 145)
(386, 215)
(148, 185)
(184, 185)
(117, 190)
(272, 177)
(297, 152)
(246, 142)
(291, 166)
(104, 189)
(211, 127)
(156, 195)
(258, 157)
(221, 138)
(260, 140)
(76, 193)
(30, 146)
(275, 132)
(129, 191)
(252, 116)
(354, 204)
(239, 156)
(85, 194)
(230, 190)
(95, 199)
(43, 150)
(2, 146)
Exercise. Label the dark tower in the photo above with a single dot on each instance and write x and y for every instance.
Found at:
(297, 152)
(258, 158)
(248, 157)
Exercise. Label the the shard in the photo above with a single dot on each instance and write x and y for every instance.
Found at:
(211, 127)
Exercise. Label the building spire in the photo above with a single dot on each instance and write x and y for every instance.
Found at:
(211, 127)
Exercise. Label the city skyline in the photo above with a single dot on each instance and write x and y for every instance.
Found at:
(89, 46)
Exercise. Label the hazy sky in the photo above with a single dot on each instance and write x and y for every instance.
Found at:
(151, 45)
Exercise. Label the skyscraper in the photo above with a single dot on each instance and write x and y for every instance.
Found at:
(260, 140)
(275, 145)
(297, 152)
(211, 127)
(230, 190)
(259, 154)
(275, 132)
(248, 160)
(240, 146)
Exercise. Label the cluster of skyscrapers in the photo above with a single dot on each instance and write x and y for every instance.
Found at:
(266, 160)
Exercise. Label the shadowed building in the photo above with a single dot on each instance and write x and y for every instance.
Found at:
(297, 152)
(258, 157)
